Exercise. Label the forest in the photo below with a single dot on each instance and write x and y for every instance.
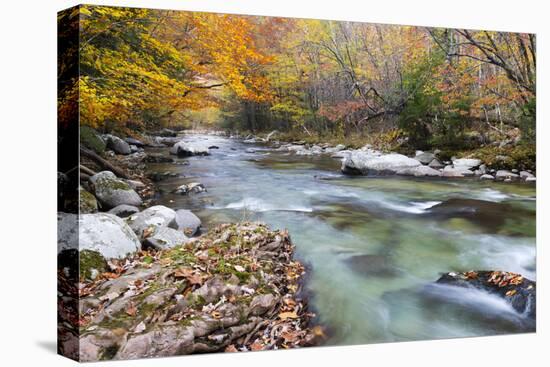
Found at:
(143, 69)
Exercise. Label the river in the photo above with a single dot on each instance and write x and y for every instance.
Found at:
(375, 246)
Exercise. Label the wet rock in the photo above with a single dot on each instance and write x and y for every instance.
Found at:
(520, 292)
(136, 184)
(117, 145)
(158, 158)
(367, 162)
(167, 133)
(420, 171)
(155, 216)
(185, 149)
(459, 171)
(112, 191)
(193, 187)
(531, 179)
(108, 235)
(524, 175)
(135, 142)
(502, 175)
(164, 238)
(188, 222)
(486, 177)
(124, 210)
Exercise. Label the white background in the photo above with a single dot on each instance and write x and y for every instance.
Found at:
(28, 181)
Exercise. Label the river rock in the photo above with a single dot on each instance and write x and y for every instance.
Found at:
(164, 238)
(112, 191)
(185, 149)
(524, 175)
(117, 145)
(420, 171)
(167, 133)
(193, 187)
(520, 292)
(135, 142)
(108, 235)
(486, 177)
(425, 157)
(531, 179)
(460, 171)
(436, 164)
(467, 163)
(188, 222)
(155, 216)
(367, 162)
(503, 175)
(87, 202)
(158, 158)
(124, 210)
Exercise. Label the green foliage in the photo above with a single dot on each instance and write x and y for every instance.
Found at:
(527, 121)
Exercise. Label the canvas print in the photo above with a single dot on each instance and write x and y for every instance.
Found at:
(234, 183)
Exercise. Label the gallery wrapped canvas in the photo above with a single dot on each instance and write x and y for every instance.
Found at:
(233, 183)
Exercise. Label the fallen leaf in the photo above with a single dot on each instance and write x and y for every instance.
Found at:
(288, 315)
(231, 349)
(140, 327)
(257, 345)
(216, 315)
(511, 292)
(183, 273)
(131, 310)
(147, 232)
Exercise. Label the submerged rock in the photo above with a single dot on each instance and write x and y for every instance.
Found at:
(112, 191)
(372, 265)
(520, 292)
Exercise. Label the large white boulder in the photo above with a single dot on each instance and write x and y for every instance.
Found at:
(371, 162)
(185, 149)
(107, 234)
(467, 163)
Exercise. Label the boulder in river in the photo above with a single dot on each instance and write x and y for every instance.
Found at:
(188, 222)
(366, 162)
(151, 218)
(193, 187)
(518, 291)
(117, 145)
(124, 210)
(487, 177)
(503, 175)
(112, 191)
(186, 149)
(436, 164)
(456, 171)
(108, 235)
(419, 171)
(467, 163)
(135, 142)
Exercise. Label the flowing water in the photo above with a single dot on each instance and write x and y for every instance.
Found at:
(375, 245)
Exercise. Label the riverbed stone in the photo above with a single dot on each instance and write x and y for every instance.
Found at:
(367, 162)
(112, 191)
(108, 235)
(155, 216)
(503, 175)
(452, 171)
(486, 177)
(124, 210)
(420, 171)
(164, 238)
(117, 145)
(524, 175)
(190, 188)
(467, 163)
(135, 142)
(188, 222)
(186, 149)
(436, 164)
(425, 157)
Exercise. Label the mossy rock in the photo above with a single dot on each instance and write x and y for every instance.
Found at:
(87, 202)
(91, 262)
(90, 139)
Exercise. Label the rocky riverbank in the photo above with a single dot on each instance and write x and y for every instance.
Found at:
(151, 284)
(370, 161)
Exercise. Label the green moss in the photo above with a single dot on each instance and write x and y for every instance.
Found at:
(90, 139)
(87, 202)
(91, 260)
